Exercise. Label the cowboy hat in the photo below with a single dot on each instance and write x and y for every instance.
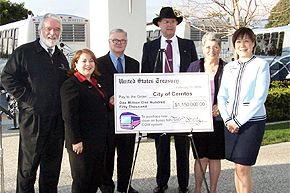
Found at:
(167, 12)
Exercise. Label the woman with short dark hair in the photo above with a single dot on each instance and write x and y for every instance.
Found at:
(243, 92)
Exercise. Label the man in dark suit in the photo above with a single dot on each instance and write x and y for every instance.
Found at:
(117, 62)
(182, 53)
(33, 75)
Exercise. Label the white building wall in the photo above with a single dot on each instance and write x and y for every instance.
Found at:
(106, 15)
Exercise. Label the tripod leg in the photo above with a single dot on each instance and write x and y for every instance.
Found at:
(14, 123)
(195, 151)
(134, 161)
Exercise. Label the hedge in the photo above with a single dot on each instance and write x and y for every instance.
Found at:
(278, 101)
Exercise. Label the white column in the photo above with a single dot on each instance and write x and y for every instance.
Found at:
(129, 15)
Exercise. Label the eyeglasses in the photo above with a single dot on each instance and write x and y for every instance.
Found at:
(215, 48)
(169, 21)
(48, 29)
(116, 41)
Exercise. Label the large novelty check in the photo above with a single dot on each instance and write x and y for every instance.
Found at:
(162, 103)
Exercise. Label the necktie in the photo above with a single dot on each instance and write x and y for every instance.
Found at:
(119, 66)
(169, 56)
(49, 51)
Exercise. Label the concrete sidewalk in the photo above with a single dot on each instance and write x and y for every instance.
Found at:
(270, 174)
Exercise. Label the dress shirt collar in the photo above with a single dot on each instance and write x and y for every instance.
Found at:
(174, 39)
(175, 52)
(45, 47)
(114, 59)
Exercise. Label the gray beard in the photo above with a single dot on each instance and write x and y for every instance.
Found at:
(49, 43)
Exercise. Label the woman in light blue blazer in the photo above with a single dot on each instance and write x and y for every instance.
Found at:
(242, 94)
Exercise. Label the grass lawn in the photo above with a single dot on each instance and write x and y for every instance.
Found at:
(276, 133)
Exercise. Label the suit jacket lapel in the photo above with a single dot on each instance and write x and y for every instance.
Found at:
(183, 55)
(127, 64)
(155, 50)
(181, 52)
(156, 46)
(111, 68)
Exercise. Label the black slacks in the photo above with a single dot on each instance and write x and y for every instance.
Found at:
(162, 144)
(125, 150)
(40, 144)
(86, 169)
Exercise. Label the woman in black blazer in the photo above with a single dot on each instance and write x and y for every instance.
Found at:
(84, 108)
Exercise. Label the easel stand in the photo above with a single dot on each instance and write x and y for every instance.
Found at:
(193, 151)
(134, 161)
(200, 166)
(2, 110)
(160, 54)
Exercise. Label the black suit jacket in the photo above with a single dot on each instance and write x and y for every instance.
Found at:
(85, 113)
(150, 49)
(107, 70)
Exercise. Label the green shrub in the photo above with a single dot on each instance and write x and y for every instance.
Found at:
(280, 84)
(278, 101)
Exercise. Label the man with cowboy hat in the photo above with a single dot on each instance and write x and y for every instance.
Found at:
(180, 53)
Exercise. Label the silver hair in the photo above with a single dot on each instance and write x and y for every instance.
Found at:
(211, 36)
(52, 16)
(117, 30)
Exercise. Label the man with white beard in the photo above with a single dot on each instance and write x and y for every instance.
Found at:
(34, 74)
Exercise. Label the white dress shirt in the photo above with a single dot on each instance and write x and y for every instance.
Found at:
(45, 47)
(175, 52)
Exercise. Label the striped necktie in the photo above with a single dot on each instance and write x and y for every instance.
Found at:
(49, 51)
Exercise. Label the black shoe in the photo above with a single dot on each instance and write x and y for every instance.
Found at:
(160, 189)
(183, 190)
(131, 190)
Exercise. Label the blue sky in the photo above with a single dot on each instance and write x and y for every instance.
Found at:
(81, 8)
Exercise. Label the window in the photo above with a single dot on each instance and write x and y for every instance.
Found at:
(4, 44)
(196, 35)
(273, 44)
(157, 34)
(16, 33)
(258, 49)
(270, 44)
(79, 33)
(280, 43)
(10, 43)
(70, 32)
(266, 42)
(1, 44)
